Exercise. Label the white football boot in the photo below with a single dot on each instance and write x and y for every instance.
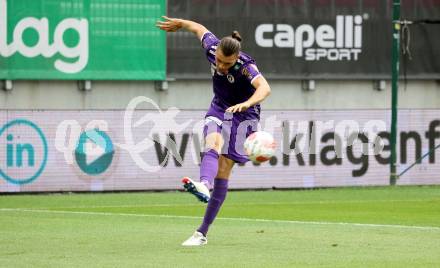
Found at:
(197, 188)
(197, 239)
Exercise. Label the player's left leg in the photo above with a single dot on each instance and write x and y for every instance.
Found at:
(218, 194)
(215, 202)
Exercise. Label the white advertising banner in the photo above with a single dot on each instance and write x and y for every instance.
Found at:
(66, 150)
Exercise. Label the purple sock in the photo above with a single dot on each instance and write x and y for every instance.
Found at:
(209, 168)
(215, 202)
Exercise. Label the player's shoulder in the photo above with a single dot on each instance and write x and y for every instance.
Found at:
(245, 64)
(209, 41)
(244, 60)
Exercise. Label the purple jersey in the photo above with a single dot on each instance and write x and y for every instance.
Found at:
(236, 86)
(231, 89)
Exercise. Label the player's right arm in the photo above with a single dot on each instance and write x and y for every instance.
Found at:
(173, 24)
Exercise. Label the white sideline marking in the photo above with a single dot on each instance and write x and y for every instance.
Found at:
(247, 204)
(431, 228)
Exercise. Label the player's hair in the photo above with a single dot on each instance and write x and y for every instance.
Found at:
(230, 45)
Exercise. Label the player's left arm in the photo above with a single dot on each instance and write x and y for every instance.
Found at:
(262, 91)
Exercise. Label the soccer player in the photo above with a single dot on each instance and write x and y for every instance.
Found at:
(234, 114)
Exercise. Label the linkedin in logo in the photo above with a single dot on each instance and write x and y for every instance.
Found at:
(23, 151)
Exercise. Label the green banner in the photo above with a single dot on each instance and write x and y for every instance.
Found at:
(82, 39)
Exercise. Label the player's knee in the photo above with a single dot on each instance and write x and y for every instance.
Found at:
(213, 146)
(214, 141)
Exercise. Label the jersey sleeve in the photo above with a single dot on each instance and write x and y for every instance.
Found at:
(250, 71)
(209, 44)
(209, 40)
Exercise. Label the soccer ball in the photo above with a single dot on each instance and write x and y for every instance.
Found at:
(260, 146)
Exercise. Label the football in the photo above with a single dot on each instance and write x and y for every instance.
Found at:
(260, 146)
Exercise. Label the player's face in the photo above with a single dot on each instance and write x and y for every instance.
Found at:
(223, 63)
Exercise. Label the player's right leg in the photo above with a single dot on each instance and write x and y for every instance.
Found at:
(209, 166)
(198, 189)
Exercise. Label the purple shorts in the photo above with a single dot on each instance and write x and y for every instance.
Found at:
(234, 128)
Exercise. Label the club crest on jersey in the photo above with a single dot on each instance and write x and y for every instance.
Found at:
(231, 78)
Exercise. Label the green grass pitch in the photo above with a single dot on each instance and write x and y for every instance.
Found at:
(341, 227)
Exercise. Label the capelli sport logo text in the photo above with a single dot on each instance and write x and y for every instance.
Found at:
(43, 47)
(333, 43)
